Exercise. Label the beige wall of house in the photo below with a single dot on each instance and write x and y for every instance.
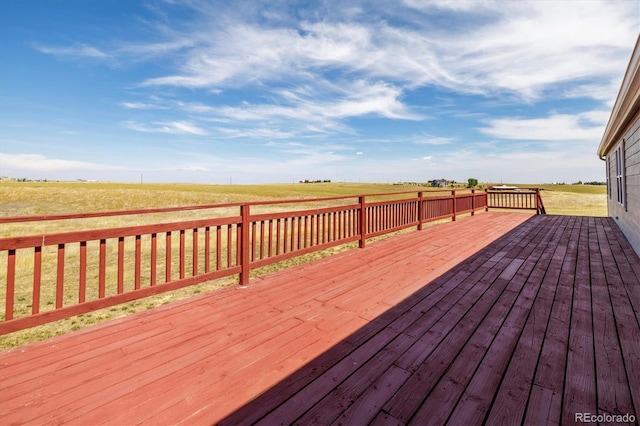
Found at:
(626, 211)
(620, 148)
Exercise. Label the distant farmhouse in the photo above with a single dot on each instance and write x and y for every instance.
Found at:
(620, 149)
(439, 183)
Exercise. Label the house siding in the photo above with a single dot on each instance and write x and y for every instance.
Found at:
(627, 219)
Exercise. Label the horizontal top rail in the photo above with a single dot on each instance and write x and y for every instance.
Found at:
(12, 243)
(85, 270)
(89, 215)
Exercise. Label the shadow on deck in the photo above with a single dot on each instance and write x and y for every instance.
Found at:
(524, 319)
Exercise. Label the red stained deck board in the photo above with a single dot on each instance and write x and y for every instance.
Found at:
(431, 356)
(367, 405)
(545, 404)
(109, 355)
(511, 399)
(580, 386)
(531, 346)
(194, 388)
(613, 392)
(626, 313)
(233, 300)
(341, 398)
(84, 393)
(338, 340)
(441, 401)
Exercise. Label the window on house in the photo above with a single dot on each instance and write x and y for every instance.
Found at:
(620, 181)
(608, 174)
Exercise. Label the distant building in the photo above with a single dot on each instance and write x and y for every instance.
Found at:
(439, 183)
(620, 149)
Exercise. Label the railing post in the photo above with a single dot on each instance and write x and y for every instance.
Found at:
(453, 196)
(363, 222)
(244, 244)
(486, 195)
(538, 209)
(473, 202)
(420, 208)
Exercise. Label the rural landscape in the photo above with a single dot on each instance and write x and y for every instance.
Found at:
(50, 198)
(390, 212)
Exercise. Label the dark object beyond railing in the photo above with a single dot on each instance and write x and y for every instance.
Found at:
(73, 273)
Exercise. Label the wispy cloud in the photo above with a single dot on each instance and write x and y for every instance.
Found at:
(313, 87)
(509, 53)
(78, 50)
(175, 127)
(426, 139)
(557, 127)
(142, 105)
(40, 163)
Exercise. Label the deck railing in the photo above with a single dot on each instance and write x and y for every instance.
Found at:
(55, 276)
(529, 199)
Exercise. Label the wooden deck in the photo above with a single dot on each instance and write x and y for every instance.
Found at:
(500, 318)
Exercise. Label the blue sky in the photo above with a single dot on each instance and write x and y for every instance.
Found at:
(281, 91)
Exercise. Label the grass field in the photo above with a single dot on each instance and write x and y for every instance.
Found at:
(34, 198)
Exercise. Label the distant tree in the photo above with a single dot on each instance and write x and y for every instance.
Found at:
(472, 183)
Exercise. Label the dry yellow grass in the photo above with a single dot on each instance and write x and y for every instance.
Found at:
(17, 199)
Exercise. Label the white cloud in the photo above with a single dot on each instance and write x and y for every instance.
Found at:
(305, 112)
(141, 105)
(253, 132)
(37, 162)
(175, 127)
(432, 140)
(76, 50)
(518, 47)
(587, 126)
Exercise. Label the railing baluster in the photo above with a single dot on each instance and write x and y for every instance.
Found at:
(37, 280)
(270, 237)
(60, 277)
(253, 241)
(219, 248)
(82, 278)
(102, 269)
(182, 254)
(229, 245)
(138, 263)
(120, 265)
(167, 249)
(278, 236)
(243, 242)
(154, 259)
(286, 235)
(262, 239)
(207, 249)
(194, 252)
(11, 284)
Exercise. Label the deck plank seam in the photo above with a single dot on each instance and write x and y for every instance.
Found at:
(544, 304)
(517, 312)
